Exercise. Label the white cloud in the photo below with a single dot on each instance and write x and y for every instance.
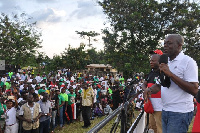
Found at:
(59, 19)
(46, 1)
(48, 15)
(9, 6)
(86, 9)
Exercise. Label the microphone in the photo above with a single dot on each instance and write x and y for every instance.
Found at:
(163, 59)
(165, 80)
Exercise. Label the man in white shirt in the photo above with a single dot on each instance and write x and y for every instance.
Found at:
(177, 100)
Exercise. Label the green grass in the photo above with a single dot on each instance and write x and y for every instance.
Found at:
(191, 125)
(76, 127)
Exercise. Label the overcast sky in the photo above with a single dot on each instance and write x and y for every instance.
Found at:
(59, 19)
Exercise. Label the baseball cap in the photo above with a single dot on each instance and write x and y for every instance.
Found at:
(156, 52)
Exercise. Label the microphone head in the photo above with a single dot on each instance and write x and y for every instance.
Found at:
(163, 59)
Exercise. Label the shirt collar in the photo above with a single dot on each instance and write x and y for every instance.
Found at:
(178, 57)
(29, 106)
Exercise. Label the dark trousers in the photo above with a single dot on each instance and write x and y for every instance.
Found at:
(116, 102)
(86, 110)
(69, 112)
(64, 115)
(44, 126)
(31, 131)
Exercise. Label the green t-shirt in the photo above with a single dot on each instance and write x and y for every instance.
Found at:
(8, 85)
(110, 91)
(61, 99)
(10, 74)
(71, 98)
(2, 109)
(65, 96)
(2, 84)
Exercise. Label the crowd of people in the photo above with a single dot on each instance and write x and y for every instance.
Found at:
(37, 104)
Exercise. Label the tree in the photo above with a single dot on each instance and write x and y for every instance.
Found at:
(74, 58)
(138, 26)
(89, 35)
(19, 40)
(78, 58)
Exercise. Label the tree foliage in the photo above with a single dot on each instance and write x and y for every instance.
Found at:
(78, 58)
(19, 40)
(89, 34)
(138, 26)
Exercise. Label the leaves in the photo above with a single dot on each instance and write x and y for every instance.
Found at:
(138, 26)
(18, 39)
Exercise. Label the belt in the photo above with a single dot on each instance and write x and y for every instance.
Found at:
(11, 124)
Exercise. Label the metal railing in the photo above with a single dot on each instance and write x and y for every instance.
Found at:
(122, 111)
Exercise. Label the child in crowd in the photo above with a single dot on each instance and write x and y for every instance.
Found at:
(97, 111)
(10, 116)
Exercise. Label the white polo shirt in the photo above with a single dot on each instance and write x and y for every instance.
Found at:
(174, 98)
(11, 116)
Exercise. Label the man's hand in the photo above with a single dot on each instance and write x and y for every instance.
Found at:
(147, 94)
(165, 68)
(29, 120)
(36, 119)
(58, 113)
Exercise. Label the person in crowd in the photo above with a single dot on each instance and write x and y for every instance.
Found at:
(97, 111)
(155, 121)
(61, 103)
(177, 99)
(87, 101)
(71, 102)
(196, 127)
(30, 113)
(10, 115)
(77, 100)
(2, 114)
(116, 95)
(55, 107)
(45, 106)
(65, 96)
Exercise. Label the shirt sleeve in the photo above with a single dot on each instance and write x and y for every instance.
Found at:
(62, 99)
(191, 72)
(49, 104)
(21, 111)
(39, 109)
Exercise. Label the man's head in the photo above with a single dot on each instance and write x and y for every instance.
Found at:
(45, 97)
(154, 61)
(63, 90)
(57, 91)
(173, 45)
(34, 81)
(31, 90)
(71, 90)
(85, 86)
(9, 103)
(30, 98)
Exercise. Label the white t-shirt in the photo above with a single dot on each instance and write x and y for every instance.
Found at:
(11, 116)
(95, 93)
(33, 85)
(174, 98)
(38, 78)
(21, 87)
